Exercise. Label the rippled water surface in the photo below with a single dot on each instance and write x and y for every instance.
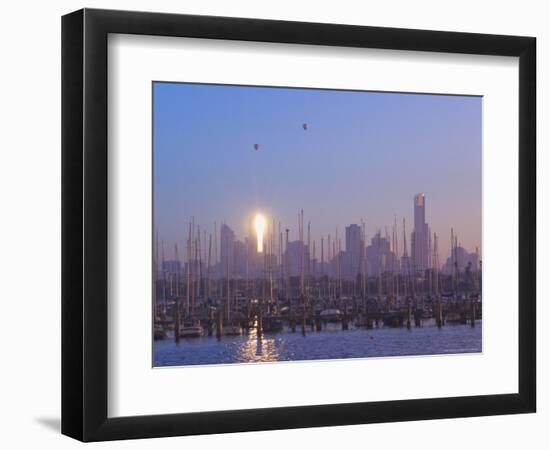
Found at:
(331, 343)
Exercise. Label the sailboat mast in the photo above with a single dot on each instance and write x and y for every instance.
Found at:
(339, 262)
(156, 256)
(303, 246)
(280, 259)
(363, 262)
(407, 269)
(329, 268)
(322, 266)
(287, 256)
(228, 295)
(188, 300)
(163, 277)
(271, 253)
(308, 254)
(209, 265)
(436, 266)
(379, 266)
(176, 268)
(430, 266)
(199, 259)
(217, 268)
(453, 265)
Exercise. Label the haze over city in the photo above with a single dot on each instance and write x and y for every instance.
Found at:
(224, 153)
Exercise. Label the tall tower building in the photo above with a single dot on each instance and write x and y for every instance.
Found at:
(420, 235)
(354, 250)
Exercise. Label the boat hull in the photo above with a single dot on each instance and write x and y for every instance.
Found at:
(190, 332)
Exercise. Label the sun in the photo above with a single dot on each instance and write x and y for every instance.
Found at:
(259, 226)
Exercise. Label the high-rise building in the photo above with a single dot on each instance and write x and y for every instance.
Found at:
(227, 242)
(420, 236)
(462, 258)
(380, 257)
(354, 251)
(239, 259)
(293, 256)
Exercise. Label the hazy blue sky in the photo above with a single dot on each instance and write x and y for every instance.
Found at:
(364, 155)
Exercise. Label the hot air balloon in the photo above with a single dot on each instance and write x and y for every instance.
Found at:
(256, 147)
(304, 126)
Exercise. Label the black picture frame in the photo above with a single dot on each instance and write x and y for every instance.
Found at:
(84, 224)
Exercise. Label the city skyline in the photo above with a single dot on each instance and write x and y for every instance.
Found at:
(397, 249)
(216, 173)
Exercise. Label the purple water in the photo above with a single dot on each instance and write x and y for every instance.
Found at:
(331, 343)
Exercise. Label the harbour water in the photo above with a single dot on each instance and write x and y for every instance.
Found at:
(330, 343)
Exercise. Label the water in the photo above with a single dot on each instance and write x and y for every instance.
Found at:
(331, 343)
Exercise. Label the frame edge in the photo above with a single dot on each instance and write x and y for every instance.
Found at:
(527, 253)
(72, 252)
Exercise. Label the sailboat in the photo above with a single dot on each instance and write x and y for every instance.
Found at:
(191, 329)
(232, 330)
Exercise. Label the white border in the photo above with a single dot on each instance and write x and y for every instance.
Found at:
(135, 388)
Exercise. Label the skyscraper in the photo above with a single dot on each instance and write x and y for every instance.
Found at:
(239, 259)
(420, 236)
(380, 257)
(293, 256)
(354, 250)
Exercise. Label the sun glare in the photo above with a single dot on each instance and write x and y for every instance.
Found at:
(259, 226)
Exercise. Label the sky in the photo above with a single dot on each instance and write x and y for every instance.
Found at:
(363, 157)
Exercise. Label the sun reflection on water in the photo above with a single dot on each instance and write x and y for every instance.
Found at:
(257, 348)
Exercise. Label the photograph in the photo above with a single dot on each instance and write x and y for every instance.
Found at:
(296, 224)
(275, 225)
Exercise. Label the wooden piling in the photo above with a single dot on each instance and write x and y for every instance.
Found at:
(210, 330)
(304, 316)
(318, 323)
(177, 324)
(259, 324)
(345, 323)
(219, 325)
(418, 317)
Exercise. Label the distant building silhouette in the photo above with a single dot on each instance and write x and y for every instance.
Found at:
(293, 254)
(463, 258)
(227, 242)
(354, 251)
(239, 259)
(420, 236)
(406, 265)
(380, 257)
